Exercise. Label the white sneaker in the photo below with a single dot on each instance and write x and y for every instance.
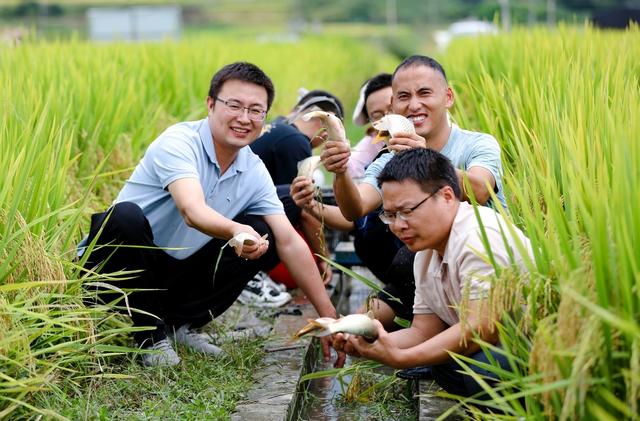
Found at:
(258, 293)
(271, 283)
(163, 356)
(196, 341)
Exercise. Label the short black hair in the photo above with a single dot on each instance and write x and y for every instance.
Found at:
(418, 60)
(324, 100)
(379, 81)
(245, 72)
(430, 169)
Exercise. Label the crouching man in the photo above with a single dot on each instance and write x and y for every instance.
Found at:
(198, 185)
(421, 204)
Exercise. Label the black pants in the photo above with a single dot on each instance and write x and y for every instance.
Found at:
(389, 260)
(400, 284)
(375, 245)
(183, 290)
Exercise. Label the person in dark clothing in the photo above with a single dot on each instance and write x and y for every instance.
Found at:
(288, 140)
(282, 145)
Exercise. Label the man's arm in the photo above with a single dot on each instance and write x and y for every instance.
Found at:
(294, 253)
(423, 327)
(303, 193)
(189, 198)
(478, 178)
(355, 201)
(388, 348)
(483, 165)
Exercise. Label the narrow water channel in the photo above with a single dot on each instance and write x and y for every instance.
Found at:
(325, 400)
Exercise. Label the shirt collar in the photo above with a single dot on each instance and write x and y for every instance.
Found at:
(207, 140)
(452, 134)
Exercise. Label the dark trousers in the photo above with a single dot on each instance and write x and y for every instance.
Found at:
(448, 375)
(401, 284)
(389, 260)
(180, 291)
(375, 245)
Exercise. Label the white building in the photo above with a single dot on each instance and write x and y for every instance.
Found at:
(139, 23)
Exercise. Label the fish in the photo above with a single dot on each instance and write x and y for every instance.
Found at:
(391, 125)
(243, 238)
(355, 324)
(333, 125)
(308, 165)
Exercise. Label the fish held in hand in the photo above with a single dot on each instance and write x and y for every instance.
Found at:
(240, 239)
(355, 324)
(392, 124)
(333, 125)
(307, 166)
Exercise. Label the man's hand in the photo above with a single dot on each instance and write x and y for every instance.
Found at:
(335, 156)
(326, 344)
(341, 344)
(404, 141)
(303, 192)
(256, 248)
(383, 350)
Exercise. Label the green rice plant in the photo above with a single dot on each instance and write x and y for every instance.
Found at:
(565, 112)
(76, 117)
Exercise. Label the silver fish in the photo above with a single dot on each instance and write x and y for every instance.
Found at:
(356, 324)
(333, 124)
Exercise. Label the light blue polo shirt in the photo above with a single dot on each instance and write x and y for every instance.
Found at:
(465, 149)
(185, 150)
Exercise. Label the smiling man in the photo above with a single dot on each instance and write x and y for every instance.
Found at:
(422, 207)
(198, 185)
(422, 94)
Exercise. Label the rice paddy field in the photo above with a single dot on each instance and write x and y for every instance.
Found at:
(563, 103)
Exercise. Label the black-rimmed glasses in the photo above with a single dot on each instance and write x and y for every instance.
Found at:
(403, 214)
(235, 109)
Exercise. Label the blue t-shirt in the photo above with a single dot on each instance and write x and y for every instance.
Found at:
(465, 149)
(185, 150)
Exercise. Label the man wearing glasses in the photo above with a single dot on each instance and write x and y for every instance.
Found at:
(458, 255)
(197, 186)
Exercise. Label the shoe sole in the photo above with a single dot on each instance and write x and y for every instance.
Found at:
(257, 303)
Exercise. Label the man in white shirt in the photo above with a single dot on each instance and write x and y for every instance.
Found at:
(421, 204)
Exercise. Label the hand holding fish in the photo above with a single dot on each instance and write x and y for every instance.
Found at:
(248, 243)
(335, 156)
(356, 324)
(384, 349)
(398, 133)
(324, 327)
(303, 192)
(404, 141)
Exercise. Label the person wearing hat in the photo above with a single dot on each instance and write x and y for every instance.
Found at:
(373, 104)
(283, 143)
